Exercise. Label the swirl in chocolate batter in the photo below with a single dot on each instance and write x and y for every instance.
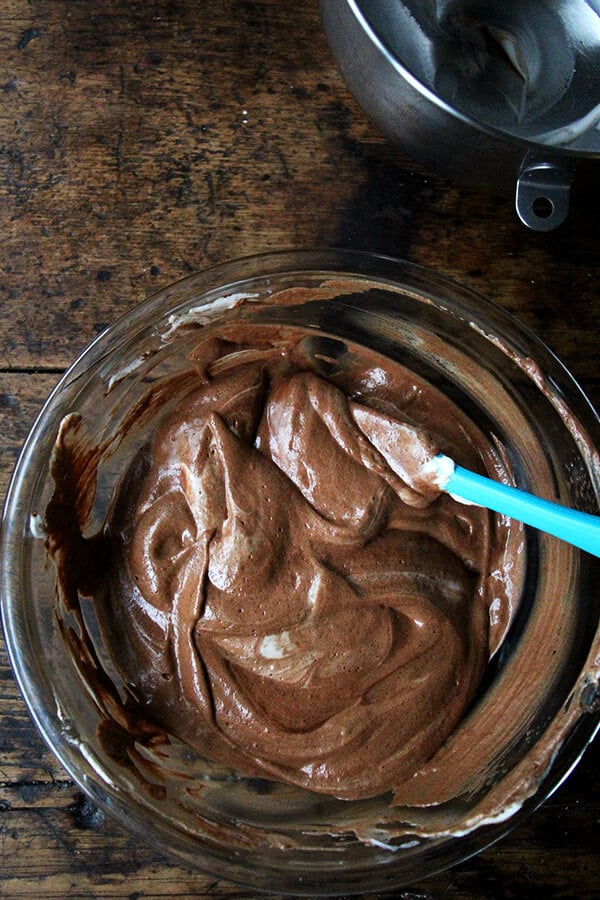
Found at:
(279, 588)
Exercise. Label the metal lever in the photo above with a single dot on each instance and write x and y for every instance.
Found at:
(542, 196)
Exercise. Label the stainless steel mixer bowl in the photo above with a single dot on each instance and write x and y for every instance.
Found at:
(495, 94)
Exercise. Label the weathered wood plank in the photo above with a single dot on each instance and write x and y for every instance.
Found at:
(22, 395)
(130, 160)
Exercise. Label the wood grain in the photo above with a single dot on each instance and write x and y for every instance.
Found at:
(140, 141)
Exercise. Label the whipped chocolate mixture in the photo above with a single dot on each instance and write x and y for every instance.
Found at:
(277, 585)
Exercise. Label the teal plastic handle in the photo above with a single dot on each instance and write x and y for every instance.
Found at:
(577, 528)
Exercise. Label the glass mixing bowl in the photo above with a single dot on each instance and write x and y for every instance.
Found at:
(539, 697)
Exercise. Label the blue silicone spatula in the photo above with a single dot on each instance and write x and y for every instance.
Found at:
(577, 528)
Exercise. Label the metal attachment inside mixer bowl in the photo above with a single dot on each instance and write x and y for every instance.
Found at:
(494, 92)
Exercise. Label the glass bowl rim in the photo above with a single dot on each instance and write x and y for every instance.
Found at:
(462, 302)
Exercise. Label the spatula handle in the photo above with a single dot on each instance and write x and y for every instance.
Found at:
(577, 528)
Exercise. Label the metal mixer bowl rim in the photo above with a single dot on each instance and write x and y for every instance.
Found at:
(554, 150)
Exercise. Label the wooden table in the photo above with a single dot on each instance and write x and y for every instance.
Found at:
(143, 140)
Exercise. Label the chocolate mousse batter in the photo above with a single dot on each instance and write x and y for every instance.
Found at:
(275, 582)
